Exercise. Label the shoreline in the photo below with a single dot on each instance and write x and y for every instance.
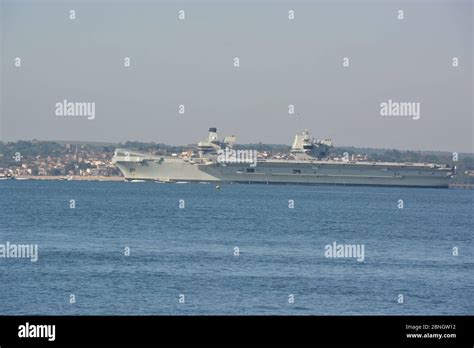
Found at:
(70, 178)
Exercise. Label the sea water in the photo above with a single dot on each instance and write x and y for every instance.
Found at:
(151, 249)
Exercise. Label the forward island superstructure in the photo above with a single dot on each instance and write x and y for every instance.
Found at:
(307, 163)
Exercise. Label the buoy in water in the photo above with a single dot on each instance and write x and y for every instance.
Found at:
(217, 187)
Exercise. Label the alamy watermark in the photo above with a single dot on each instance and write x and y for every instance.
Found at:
(400, 109)
(335, 250)
(77, 109)
(37, 331)
(229, 155)
(25, 251)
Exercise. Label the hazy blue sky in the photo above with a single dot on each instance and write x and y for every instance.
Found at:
(283, 62)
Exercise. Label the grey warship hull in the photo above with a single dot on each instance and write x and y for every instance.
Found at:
(136, 166)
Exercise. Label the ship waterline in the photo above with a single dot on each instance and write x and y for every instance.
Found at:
(303, 169)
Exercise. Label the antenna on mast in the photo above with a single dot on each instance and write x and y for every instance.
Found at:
(297, 122)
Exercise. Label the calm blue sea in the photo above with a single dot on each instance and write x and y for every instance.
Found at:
(190, 251)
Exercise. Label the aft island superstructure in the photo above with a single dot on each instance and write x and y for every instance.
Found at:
(307, 163)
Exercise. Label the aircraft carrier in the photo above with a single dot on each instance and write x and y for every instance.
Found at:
(308, 162)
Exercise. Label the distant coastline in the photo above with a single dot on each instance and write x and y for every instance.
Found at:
(70, 178)
(93, 161)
